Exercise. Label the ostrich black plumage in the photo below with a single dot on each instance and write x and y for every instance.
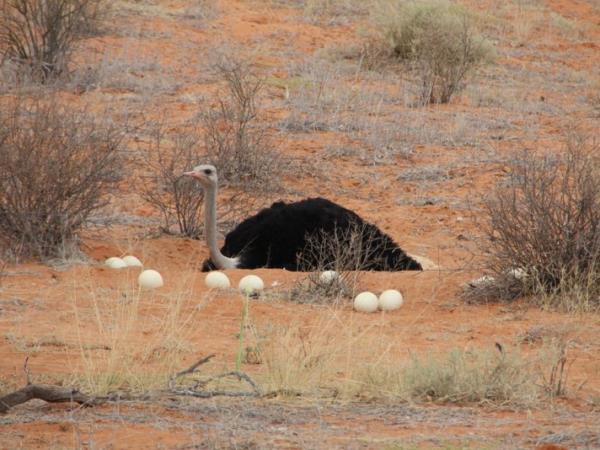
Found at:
(277, 235)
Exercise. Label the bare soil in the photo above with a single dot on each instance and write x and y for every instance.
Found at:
(543, 83)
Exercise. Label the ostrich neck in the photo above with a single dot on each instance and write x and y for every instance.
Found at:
(210, 223)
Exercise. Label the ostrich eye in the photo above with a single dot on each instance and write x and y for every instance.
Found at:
(207, 171)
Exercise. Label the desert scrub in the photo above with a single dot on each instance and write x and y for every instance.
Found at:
(56, 166)
(436, 39)
(544, 220)
(494, 377)
(165, 156)
(38, 36)
(234, 140)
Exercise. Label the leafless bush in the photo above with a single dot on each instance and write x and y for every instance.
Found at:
(347, 251)
(234, 141)
(56, 164)
(38, 35)
(546, 222)
(438, 41)
(179, 198)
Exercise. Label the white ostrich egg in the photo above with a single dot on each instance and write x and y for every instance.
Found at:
(150, 279)
(328, 276)
(390, 299)
(366, 302)
(115, 263)
(132, 261)
(217, 280)
(251, 284)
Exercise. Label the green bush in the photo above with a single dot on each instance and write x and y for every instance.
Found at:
(437, 39)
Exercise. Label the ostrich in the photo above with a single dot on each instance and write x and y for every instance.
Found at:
(277, 235)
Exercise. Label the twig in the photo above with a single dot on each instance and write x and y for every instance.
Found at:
(27, 371)
(195, 392)
(191, 369)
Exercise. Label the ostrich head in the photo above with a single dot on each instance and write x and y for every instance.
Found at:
(205, 174)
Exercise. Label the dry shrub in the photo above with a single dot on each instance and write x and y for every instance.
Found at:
(347, 251)
(234, 141)
(38, 35)
(180, 199)
(436, 39)
(56, 165)
(546, 221)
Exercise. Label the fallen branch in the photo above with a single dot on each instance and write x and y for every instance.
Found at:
(190, 370)
(197, 390)
(58, 394)
(48, 393)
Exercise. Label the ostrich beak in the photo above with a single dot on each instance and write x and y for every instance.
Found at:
(191, 174)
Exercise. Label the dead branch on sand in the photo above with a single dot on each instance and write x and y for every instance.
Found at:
(197, 390)
(59, 394)
(48, 393)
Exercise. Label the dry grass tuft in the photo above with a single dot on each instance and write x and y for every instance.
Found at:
(128, 339)
(312, 360)
(492, 377)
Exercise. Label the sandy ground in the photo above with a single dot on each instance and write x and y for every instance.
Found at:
(425, 196)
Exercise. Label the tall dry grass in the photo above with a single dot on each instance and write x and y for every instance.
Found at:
(129, 339)
(337, 356)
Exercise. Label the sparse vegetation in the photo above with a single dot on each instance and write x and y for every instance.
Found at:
(331, 358)
(494, 377)
(234, 141)
(56, 165)
(436, 39)
(329, 107)
(555, 378)
(38, 36)
(176, 196)
(302, 360)
(334, 11)
(128, 339)
(545, 219)
(346, 251)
